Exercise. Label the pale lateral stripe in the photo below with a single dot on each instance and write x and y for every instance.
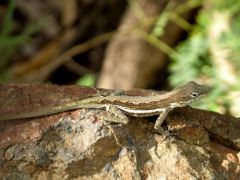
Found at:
(138, 111)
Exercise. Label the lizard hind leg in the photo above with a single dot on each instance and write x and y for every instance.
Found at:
(115, 115)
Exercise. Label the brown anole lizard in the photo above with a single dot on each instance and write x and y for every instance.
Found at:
(117, 103)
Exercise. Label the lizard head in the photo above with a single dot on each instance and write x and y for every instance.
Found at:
(189, 93)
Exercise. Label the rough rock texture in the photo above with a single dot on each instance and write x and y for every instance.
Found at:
(78, 145)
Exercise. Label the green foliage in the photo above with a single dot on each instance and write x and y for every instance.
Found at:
(8, 26)
(210, 54)
(226, 5)
(86, 80)
(191, 61)
(194, 61)
(10, 43)
(161, 23)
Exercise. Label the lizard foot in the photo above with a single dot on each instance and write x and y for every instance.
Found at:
(164, 132)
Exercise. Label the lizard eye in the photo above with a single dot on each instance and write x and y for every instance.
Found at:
(194, 95)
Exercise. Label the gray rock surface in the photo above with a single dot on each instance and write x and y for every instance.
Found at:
(78, 145)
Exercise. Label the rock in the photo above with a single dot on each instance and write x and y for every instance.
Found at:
(78, 145)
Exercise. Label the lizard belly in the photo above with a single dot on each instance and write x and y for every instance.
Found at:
(141, 112)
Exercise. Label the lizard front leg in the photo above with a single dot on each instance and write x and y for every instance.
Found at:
(162, 116)
(115, 115)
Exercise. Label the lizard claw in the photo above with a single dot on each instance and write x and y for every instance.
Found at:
(162, 131)
(165, 132)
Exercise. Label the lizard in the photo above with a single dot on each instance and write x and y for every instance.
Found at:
(118, 103)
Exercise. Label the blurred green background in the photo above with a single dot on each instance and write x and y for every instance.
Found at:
(207, 51)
